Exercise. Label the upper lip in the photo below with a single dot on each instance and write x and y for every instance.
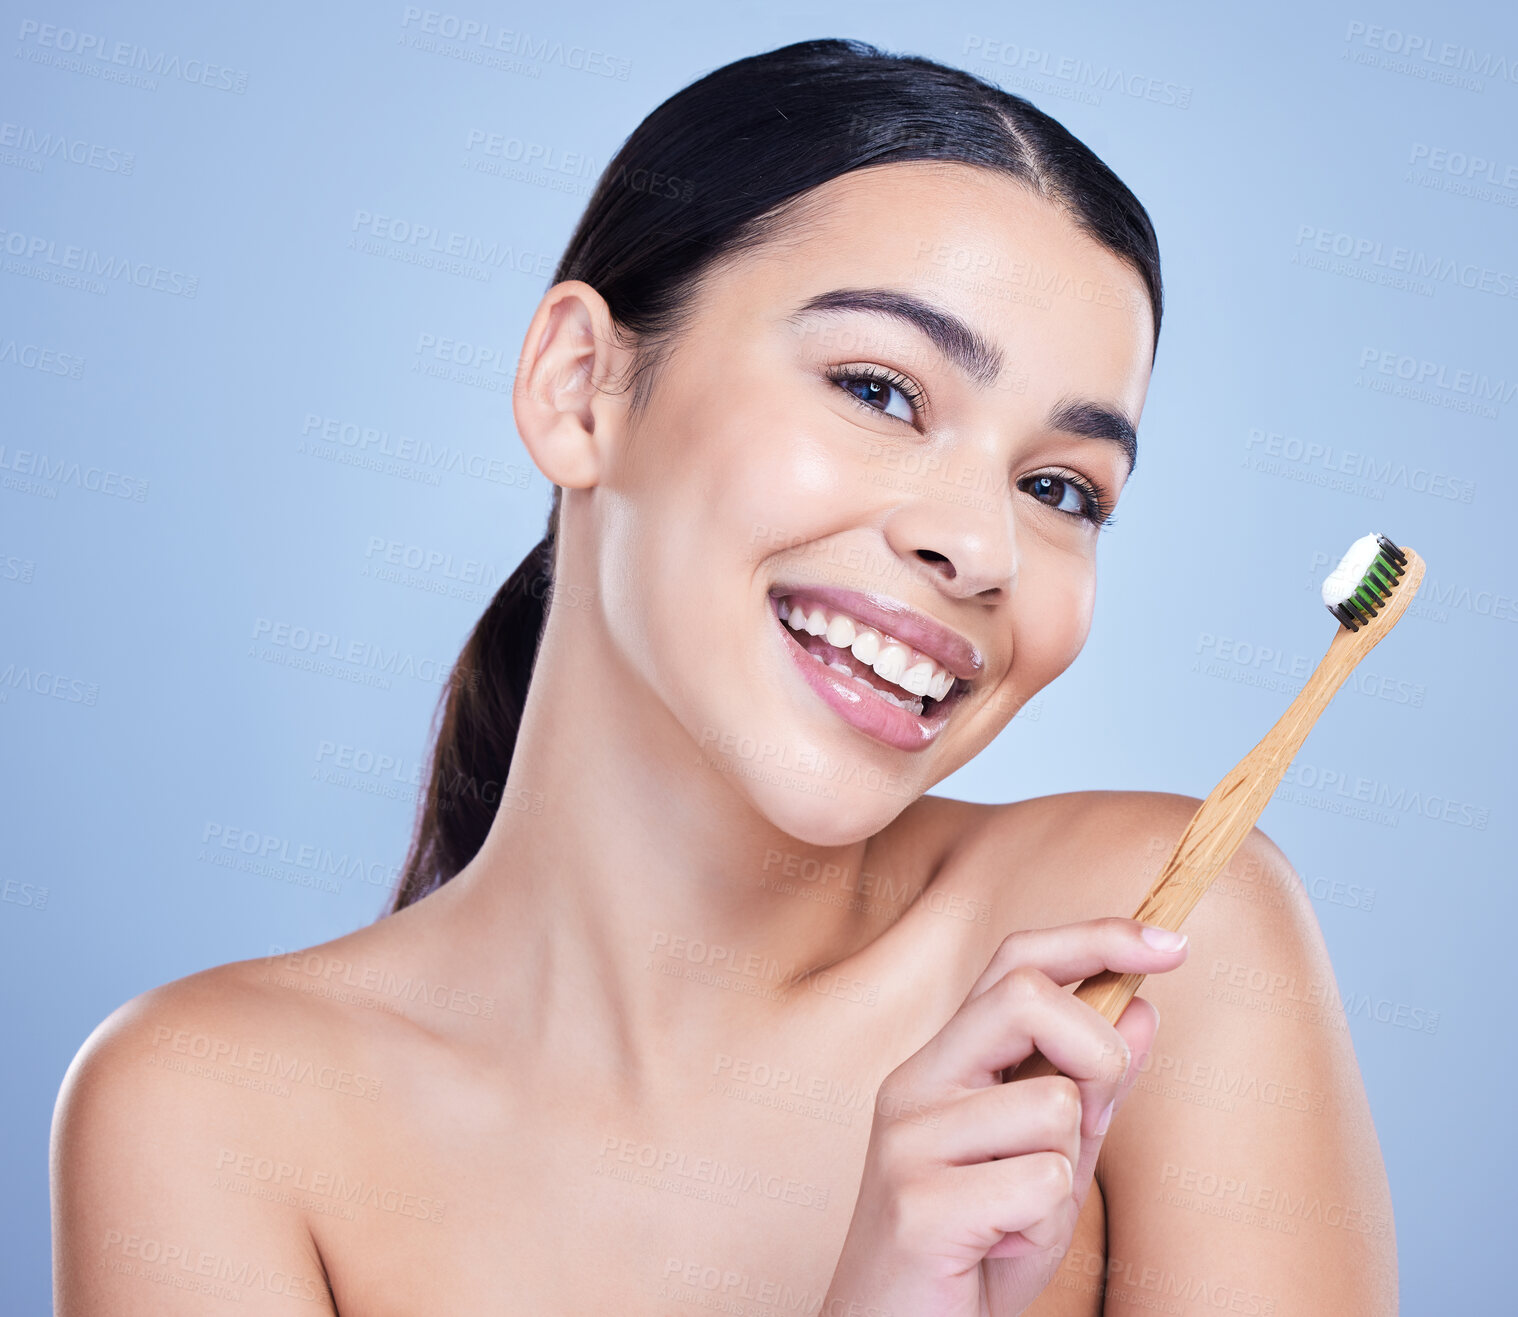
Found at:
(947, 648)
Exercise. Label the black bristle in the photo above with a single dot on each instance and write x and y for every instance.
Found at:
(1379, 579)
(1391, 551)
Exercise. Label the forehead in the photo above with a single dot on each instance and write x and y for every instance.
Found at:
(978, 244)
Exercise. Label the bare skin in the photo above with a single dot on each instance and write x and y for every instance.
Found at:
(580, 1113)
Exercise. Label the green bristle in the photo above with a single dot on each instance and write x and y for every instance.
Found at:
(1355, 604)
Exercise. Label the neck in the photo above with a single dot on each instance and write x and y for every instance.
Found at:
(639, 903)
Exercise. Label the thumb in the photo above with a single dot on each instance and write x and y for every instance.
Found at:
(1138, 1024)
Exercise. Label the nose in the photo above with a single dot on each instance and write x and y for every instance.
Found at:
(958, 521)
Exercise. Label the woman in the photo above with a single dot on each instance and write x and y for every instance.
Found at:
(691, 995)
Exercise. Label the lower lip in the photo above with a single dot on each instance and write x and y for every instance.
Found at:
(876, 718)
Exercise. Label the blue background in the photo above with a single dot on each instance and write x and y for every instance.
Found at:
(1279, 428)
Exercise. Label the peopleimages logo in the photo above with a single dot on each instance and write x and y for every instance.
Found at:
(1081, 78)
(321, 862)
(44, 257)
(1463, 174)
(1327, 784)
(476, 39)
(52, 145)
(1378, 474)
(417, 243)
(1437, 374)
(98, 56)
(47, 361)
(322, 649)
(1453, 388)
(1434, 55)
(1463, 164)
(430, 459)
(1374, 255)
(35, 468)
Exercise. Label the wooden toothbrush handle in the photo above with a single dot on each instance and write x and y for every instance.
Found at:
(1226, 817)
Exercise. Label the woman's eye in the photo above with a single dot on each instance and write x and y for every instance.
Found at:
(871, 391)
(1065, 495)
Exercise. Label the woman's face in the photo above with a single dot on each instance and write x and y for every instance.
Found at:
(917, 489)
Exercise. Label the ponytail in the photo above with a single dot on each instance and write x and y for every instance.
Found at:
(476, 723)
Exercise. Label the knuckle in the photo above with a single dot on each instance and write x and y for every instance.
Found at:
(1064, 1102)
(1064, 1176)
(916, 1072)
(897, 1145)
(1054, 1228)
(1023, 984)
(1010, 943)
(909, 1217)
(1116, 1057)
(1055, 1174)
(1122, 1056)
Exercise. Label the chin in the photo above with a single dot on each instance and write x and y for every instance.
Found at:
(847, 807)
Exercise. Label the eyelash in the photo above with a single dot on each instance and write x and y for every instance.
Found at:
(1098, 508)
(880, 375)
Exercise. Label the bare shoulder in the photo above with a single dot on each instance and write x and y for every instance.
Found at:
(168, 1096)
(1088, 854)
(1246, 1151)
(1083, 854)
(1107, 847)
(244, 1030)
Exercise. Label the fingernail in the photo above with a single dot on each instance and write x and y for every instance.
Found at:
(1105, 1118)
(1162, 939)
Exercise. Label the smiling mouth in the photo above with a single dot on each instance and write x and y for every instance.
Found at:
(891, 671)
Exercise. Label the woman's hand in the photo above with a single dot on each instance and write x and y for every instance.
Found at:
(964, 1170)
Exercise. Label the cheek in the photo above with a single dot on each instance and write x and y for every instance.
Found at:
(715, 491)
(786, 486)
(1053, 610)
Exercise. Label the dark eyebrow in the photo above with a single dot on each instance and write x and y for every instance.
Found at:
(975, 357)
(950, 335)
(1093, 421)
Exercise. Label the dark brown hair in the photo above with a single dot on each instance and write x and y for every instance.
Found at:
(716, 169)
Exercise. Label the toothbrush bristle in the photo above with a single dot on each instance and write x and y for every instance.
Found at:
(1364, 579)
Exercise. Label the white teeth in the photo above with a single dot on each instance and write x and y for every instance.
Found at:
(917, 678)
(840, 632)
(891, 662)
(866, 645)
(914, 705)
(915, 673)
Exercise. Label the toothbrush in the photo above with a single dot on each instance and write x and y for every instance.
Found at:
(1367, 592)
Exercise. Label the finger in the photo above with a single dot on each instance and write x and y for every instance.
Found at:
(1052, 1231)
(1056, 1228)
(1008, 1120)
(1069, 952)
(1030, 1194)
(1000, 1028)
(1137, 1025)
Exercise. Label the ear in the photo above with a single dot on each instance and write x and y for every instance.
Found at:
(564, 416)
